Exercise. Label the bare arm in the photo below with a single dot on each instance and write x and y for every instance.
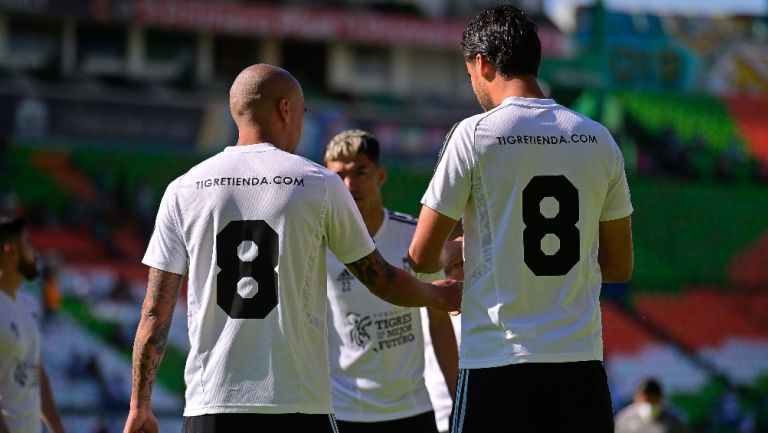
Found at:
(3, 427)
(615, 254)
(399, 287)
(426, 253)
(49, 414)
(149, 346)
(444, 344)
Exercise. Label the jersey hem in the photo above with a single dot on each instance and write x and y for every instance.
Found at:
(210, 410)
(548, 358)
(610, 216)
(165, 266)
(357, 255)
(439, 208)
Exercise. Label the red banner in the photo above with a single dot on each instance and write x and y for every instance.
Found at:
(316, 24)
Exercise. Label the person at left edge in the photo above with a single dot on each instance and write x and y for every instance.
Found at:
(25, 392)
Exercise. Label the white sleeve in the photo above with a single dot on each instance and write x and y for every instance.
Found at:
(449, 189)
(348, 238)
(617, 200)
(166, 250)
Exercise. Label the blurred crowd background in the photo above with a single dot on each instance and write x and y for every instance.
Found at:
(103, 102)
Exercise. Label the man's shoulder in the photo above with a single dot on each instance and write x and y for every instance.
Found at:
(401, 218)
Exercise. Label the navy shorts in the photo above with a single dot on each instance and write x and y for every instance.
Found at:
(533, 398)
(260, 422)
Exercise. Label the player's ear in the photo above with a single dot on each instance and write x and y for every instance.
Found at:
(284, 107)
(381, 174)
(486, 68)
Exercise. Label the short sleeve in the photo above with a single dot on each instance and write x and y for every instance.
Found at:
(348, 238)
(166, 250)
(617, 200)
(451, 184)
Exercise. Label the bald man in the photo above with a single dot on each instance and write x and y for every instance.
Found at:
(250, 227)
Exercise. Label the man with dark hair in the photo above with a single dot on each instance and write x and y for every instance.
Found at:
(648, 412)
(377, 349)
(25, 392)
(251, 225)
(545, 206)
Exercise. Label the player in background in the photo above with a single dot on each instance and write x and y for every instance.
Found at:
(545, 206)
(25, 392)
(250, 227)
(649, 413)
(377, 350)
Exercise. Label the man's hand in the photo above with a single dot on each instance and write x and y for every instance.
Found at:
(450, 292)
(452, 256)
(141, 421)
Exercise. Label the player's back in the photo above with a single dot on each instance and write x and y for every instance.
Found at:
(253, 219)
(542, 178)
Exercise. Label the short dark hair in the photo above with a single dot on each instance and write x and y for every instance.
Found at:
(650, 386)
(507, 38)
(351, 143)
(10, 226)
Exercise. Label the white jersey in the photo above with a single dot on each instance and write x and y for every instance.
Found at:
(376, 348)
(20, 363)
(438, 389)
(251, 225)
(531, 180)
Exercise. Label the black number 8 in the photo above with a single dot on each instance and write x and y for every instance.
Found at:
(562, 225)
(261, 268)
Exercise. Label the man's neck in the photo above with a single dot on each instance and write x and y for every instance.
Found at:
(523, 86)
(373, 220)
(8, 286)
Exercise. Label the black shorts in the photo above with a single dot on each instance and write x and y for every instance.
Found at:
(421, 423)
(260, 422)
(533, 398)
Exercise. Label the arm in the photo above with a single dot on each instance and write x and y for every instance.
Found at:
(399, 287)
(445, 347)
(49, 413)
(426, 254)
(149, 347)
(3, 427)
(615, 253)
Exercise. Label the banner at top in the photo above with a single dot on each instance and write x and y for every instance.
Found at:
(315, 24)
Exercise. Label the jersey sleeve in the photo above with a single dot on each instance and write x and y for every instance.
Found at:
(348, 238)
(617, 200)
(449, 189)
(166, 250)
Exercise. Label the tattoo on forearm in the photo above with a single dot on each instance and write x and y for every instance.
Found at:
(152, 333)
(371, 268)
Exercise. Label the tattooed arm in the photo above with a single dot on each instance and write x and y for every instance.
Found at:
(149, 347)
(399, 287)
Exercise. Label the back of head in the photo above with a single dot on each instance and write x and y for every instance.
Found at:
(256, 91)
(351, 143)
(650, 387)
(10, 226)
(507, 38)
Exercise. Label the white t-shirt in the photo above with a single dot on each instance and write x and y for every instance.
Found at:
(531, 180)
(20, 363)
(376, 348)
(252, 224)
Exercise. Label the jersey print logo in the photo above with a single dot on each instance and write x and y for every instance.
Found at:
(345, 279)
(26, 374)
(358, 333)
